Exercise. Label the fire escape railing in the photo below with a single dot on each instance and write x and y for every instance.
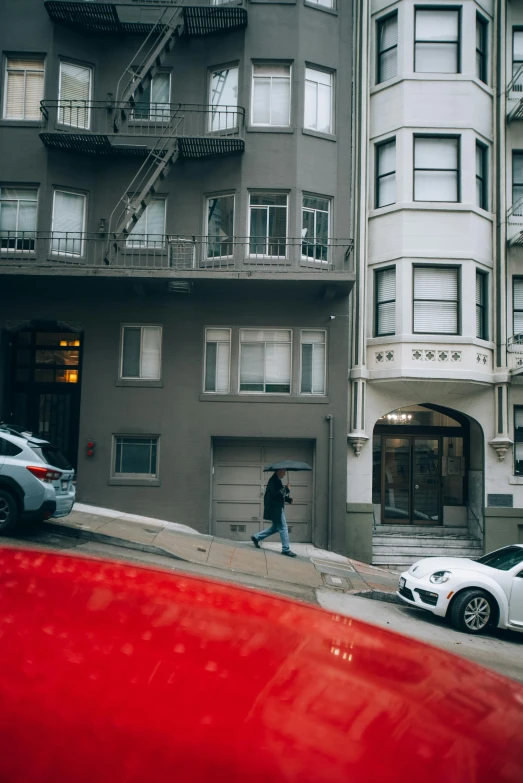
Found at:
(514, 94)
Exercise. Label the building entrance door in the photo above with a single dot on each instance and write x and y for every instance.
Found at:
(45, 390)
(412, 480)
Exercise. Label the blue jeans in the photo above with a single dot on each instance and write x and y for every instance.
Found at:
(277, 527)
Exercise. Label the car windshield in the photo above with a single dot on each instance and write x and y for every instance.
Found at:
(54, 457)
(503, 559)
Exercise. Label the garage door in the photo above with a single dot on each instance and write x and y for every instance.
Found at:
(239, 485)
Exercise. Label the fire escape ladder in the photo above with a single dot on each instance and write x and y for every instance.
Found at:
(143, 186)
(149, 57)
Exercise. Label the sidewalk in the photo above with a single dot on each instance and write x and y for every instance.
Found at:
(312, 569)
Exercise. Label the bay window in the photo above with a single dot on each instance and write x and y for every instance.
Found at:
(436, 300)
(271, 95)
(437, 42)
(436, 168)
(268, 224)
(319, 100)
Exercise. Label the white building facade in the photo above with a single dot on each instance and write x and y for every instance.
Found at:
(435, 391)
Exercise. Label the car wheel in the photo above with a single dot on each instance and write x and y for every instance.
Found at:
(472, 611)
(8, 511)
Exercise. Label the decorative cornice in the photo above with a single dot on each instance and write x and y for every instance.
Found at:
(501, 445)
(357, 440)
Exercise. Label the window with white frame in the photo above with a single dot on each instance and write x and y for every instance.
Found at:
(315, 228)
(68, 223)
(24, 88)
(268, 224)
(517, 183)
(74, 95)
(220, 226)
(322, 3)
(436, 300)
(436, 168)
(387, 48)
(135, 457)
(313, 357)
(518, 440)
(385, 302)
(437, 43)
(517, 59)
(224, 98)
(265, 361)
(149, 229)
(481, 305)
(517, 304)
(271, 95)
(217, 360)
(385, 173)
(481, 176)
(154, 101)
(18, 217)
(319, 104)
(141, 352)
(481, 49)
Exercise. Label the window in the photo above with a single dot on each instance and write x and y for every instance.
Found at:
(436, 168)
(386, 173)
(224, 99)
(265, 361)
(74, 95)
(220, 226)
(503, 559)
(518, 441)
(24, 88)
(141, 352)
(318, 100)
(217, 360)
(312, 362)
(385, 290)
(517, 305)
(154, 102)
(517, 59)
(436, 304)
(481, 176)
(268, 224)
(271, 95)
(68, 223)
(322, 3)
(8, 448)
(387, 48)
(481, 48)
(135, 456)
(481, 305)
(517, 183)
(315, 228)
(149, 229)
(436, 48)
(18, 217)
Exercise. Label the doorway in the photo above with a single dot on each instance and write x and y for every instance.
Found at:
(45, 387)
(419, 469)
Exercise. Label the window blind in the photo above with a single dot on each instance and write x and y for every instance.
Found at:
(75, 93)
(217, 360)
(386, 302)
(24, 89)
(150, 355)
(265, 360)
(312, 362)
(68, 222)
(518, 305)
(386, 174)
(435, 300)
(387, 48)
(150, 227)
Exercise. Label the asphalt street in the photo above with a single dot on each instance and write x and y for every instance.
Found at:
(498, 650)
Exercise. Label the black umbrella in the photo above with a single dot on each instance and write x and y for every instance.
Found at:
(287, 464)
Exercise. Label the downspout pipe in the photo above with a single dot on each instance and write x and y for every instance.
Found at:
(330, 419)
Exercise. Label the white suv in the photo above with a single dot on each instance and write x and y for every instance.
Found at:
(36, 480)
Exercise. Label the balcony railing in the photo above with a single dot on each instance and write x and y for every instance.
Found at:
(515, 96)
(515, 224)
(193, 255)
(116, 118)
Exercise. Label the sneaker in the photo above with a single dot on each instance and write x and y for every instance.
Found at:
(255, 542)
(288, 553)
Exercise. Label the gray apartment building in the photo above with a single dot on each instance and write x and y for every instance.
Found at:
(175, 252)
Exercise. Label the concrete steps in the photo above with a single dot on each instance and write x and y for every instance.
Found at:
(396, 546)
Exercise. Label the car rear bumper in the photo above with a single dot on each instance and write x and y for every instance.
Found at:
(46, 510)
(64, 505)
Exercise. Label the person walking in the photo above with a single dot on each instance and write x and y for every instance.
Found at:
(276, 495)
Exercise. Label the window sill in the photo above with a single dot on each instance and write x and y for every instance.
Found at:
(515, 479)
(270, 129)
(319, 134)
(287, 398)
(133, 482)
(137, 382)
(431, 206)
(332, 11)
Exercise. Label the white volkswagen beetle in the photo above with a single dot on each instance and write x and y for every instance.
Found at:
(472, 594)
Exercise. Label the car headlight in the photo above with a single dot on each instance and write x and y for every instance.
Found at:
(439, 577)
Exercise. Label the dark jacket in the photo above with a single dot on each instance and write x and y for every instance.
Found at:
(276, 495)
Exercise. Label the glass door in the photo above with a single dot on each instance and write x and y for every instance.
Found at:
(426, 481)
(396, 478)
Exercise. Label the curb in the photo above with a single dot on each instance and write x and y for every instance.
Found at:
(379, 595)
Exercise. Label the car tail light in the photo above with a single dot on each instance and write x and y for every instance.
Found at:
(44, 474)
